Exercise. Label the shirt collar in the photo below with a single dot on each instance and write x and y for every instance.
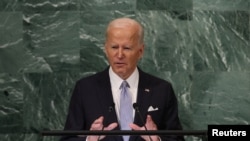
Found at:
(132, 80)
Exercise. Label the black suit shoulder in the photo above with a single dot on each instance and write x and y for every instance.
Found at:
(95, 78)
(153, 80)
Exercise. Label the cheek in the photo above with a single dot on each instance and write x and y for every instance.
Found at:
(138, 56)
(108, 54)
(134, 59)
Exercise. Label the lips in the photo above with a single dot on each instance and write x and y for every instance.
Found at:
(119, 63)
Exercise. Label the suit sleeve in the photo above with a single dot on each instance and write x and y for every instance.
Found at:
(171, 118)
(75, 118)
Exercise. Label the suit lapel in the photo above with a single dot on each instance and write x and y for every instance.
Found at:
(143, 98)
(105, 98)
(104, 90)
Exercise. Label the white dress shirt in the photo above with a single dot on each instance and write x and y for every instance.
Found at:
(116, 82)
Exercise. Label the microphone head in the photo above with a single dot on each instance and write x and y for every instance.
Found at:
(111, 107)
(135, 106)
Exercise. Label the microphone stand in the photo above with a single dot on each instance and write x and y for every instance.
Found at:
(139, 113)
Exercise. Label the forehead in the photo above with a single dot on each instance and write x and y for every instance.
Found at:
(124, 24)
(122, 36)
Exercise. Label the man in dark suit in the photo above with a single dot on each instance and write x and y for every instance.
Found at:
(96, 103)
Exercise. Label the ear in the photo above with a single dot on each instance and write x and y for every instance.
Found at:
(105, 50)
(141, 51)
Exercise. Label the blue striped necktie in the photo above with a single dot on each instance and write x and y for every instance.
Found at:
(126, 108)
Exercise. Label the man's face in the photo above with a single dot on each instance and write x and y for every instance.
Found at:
(123, 50)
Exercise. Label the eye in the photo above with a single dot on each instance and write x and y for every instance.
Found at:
(127, 48)
(114, 47)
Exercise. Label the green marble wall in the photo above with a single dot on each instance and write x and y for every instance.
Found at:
(201, 46)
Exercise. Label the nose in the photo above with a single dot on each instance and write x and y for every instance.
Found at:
(120, 53)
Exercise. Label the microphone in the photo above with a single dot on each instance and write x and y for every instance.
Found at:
(110, 109)
(136, 107)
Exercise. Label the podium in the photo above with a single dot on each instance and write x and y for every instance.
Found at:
(123, 132)
(214, 132)
(202, 134)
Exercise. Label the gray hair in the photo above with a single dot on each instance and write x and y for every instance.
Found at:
(121, 22)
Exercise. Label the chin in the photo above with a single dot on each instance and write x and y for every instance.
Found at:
(120, 73)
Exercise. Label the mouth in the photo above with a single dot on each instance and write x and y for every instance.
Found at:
(119, 63)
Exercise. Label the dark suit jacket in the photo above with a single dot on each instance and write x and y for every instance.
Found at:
(92, 98)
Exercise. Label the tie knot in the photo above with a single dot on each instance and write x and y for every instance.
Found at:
(124, 85)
